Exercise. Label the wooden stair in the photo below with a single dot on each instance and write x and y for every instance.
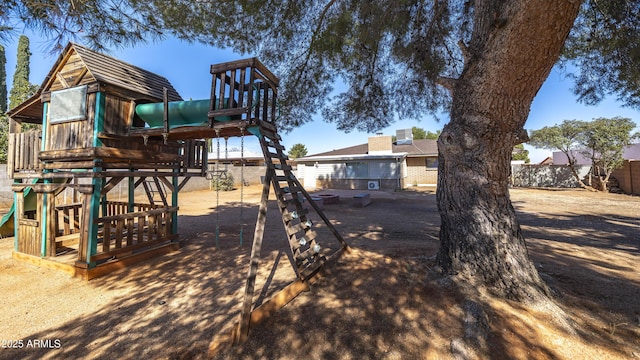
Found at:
(307, 251)
(244, 97)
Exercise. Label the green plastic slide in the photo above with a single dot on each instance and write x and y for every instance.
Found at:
(182, 113)
(7, 223)
(30, 204)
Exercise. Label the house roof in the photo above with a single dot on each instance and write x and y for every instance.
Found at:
(547, 161)
(631, 152)
(79, 65)
(314, 158)
(351, 150)
(422, 147)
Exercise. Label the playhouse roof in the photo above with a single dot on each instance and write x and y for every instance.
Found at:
(109, 70)
(79, 65)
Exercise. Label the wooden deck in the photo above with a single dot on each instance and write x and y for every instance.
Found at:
(123, 238)
(66, 258)
(66, 261)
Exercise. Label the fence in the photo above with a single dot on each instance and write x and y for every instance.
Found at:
(526, 175)
(629, 177)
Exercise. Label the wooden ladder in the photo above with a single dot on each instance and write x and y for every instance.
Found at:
(152, 187)
(307, 251)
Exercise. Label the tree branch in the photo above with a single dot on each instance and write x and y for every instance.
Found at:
(314, 37)
(447, 82)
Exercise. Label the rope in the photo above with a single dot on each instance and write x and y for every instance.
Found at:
(241, 184)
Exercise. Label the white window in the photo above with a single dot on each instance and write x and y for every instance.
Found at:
(431, 162)
(383, 169)
(68, 104)
(355, 170)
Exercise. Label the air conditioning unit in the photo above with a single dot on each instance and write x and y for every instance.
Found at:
(373, 185)
(404, 137)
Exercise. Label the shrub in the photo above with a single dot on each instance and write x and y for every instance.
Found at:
(223, 182)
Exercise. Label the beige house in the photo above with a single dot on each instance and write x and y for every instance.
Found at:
(378, 164)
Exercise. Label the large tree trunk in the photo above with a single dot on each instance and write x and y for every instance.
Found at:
(513, 47)
(574, 171)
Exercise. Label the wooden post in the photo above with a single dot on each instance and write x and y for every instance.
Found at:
(83, 241)
(76, 199)
(49, 224)
(245, 319)
(98, 121)
(88, 243)
(132, 190)
(91, 211)
(174, 203)
(18, 211)
(11, 155)
(41, 217)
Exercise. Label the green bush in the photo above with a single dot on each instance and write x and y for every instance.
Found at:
(223, 182)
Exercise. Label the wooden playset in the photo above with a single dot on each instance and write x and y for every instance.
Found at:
(105, 122)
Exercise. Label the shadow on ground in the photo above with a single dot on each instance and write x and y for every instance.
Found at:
(376, 303)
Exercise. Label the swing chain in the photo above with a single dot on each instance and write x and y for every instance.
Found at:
(217, 149)
(226, 153)
(241, 184)
(217, 188)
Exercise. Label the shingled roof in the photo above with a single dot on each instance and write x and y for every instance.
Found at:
(79, 65)
(422, 147)
(109, 70)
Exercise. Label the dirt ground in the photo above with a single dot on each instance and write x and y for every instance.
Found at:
(377, 302)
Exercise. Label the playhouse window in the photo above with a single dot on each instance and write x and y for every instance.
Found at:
(68, 104)
(431, 162)
(30, 214)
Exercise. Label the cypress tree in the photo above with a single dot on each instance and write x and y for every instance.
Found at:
(3, 81)
(21, 89)
(4, 121)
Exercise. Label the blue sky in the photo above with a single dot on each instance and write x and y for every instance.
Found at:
(187, 68)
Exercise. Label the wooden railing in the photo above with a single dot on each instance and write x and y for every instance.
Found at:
(68, 218)
(129, 232)
(115, 208)
(23, 152)
(245, 89)
(195, 155)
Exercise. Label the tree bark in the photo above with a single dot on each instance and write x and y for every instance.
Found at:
(574, 171)
(513, 47)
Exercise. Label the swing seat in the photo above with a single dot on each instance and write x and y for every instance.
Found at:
(220, 174)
